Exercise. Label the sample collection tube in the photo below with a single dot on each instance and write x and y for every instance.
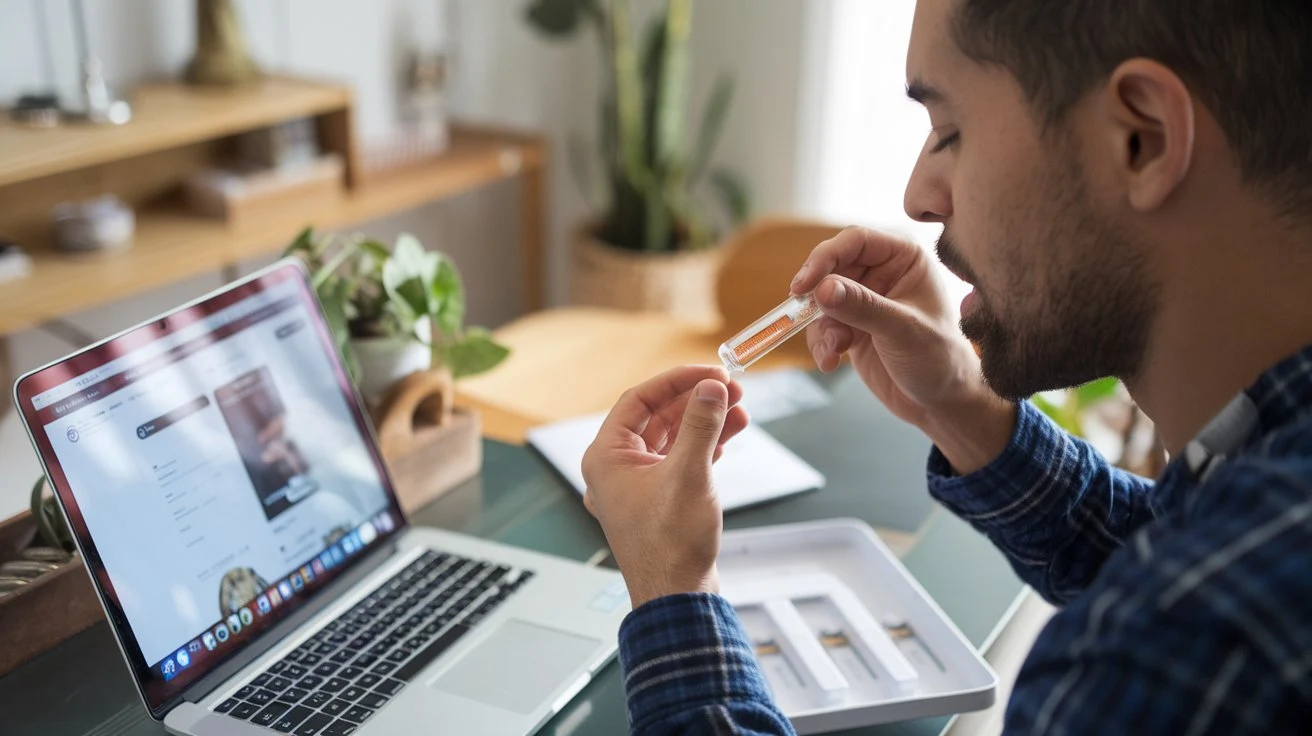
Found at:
(769, 332)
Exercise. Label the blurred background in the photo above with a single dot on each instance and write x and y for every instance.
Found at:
(813, 125)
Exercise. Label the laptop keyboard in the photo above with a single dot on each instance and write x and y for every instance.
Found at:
(353, 666)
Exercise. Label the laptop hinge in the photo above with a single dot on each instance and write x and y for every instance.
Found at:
(271, 638)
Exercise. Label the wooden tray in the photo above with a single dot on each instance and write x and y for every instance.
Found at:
(46, 611)
(430, 445)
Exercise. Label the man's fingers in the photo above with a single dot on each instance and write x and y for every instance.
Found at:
(828, 339)
(847, 302)
(699, 433)
(866, 250)
(635, 407)
(664, 427)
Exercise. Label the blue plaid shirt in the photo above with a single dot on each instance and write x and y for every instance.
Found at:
(1186, 604)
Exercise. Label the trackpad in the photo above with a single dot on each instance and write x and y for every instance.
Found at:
(518, 666)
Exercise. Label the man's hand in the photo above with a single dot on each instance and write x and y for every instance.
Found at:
(887, 307)
(649, 480)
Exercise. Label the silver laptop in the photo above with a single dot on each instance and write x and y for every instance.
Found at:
(240, 528)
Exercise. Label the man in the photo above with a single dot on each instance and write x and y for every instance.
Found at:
(1127, 184)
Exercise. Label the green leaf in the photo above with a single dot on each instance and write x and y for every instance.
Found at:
(673, 97)
(474, 354)
(449, 297)
(708, 136)
(628, 96)
(1095, 392)
(303, 244)
(408, 279)
(557, 18)
(733, 194)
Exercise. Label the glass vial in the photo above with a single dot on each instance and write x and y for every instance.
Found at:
(769, 332)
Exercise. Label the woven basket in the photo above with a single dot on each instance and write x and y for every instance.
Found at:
(679, 284)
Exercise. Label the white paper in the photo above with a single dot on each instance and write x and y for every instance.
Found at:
(755, 467)
(776, 394)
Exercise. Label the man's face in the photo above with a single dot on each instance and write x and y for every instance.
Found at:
(1061, 291)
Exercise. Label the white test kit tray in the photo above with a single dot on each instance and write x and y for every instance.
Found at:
(845, 635)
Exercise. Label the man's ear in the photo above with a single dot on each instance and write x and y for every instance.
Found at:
(1152, 115)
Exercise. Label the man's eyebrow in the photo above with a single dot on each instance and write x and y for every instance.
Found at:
(923, 93)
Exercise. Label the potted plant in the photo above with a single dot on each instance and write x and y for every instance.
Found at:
(651, 243)
(394, 311)
(397, 315)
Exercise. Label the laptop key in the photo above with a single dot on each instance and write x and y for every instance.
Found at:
(244, 710)
(261, 679)
(226, 705)
(324, 649)
(314, 725)
(245, 692)
(340, 728)
(295, 671)
(317, 700)
(350, 673)
(352, 693)
(368, 680)
(293, 694)
(342, 656)
(310, 660)
(278, 684)
(364, 660)
(357, 714)
(309, 682)
(383, 668)
(372, 700)
(260, 697)
(431, 652)
(335, 707)
(389, 687)
(277, 667)
(292, 718)
(327, 669)
(269, 715)
(334, 685)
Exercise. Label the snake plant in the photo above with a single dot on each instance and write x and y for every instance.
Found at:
(654, 171)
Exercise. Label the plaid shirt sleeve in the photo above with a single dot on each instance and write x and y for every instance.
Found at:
(690, 669)
(1050, 502)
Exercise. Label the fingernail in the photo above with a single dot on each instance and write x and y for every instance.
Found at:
(831, 342)
(800, 274)
(817, 351)
(839, 291)
(708, 391)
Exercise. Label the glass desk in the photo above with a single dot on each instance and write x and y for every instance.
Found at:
(874, 467)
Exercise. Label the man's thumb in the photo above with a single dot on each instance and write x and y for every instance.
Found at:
(703, 420)
(857, 306)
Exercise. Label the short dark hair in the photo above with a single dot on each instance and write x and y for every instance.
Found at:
(1248, 61)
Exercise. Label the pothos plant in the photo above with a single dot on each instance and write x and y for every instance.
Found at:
(369, 290)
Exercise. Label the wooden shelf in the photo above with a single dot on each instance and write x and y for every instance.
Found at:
(171, 244)
(164, 116)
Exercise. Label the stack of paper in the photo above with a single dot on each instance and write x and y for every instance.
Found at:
(755, 467)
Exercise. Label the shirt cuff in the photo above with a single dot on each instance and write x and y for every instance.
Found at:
(682, 651)
(1036, 443)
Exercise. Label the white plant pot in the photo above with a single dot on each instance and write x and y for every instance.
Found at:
(386, 360)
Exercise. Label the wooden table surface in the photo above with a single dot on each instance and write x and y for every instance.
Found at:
(572, 361)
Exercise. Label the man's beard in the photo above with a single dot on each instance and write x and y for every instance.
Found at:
(1081, 308)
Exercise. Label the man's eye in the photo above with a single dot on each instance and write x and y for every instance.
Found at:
(946, 142)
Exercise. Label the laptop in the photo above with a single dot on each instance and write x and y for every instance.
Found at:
(228, 496)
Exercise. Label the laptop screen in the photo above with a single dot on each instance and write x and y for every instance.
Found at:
(216, 469)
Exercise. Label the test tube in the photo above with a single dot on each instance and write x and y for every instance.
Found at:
(769, 332)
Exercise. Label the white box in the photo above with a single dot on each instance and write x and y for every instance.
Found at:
(838, 588)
